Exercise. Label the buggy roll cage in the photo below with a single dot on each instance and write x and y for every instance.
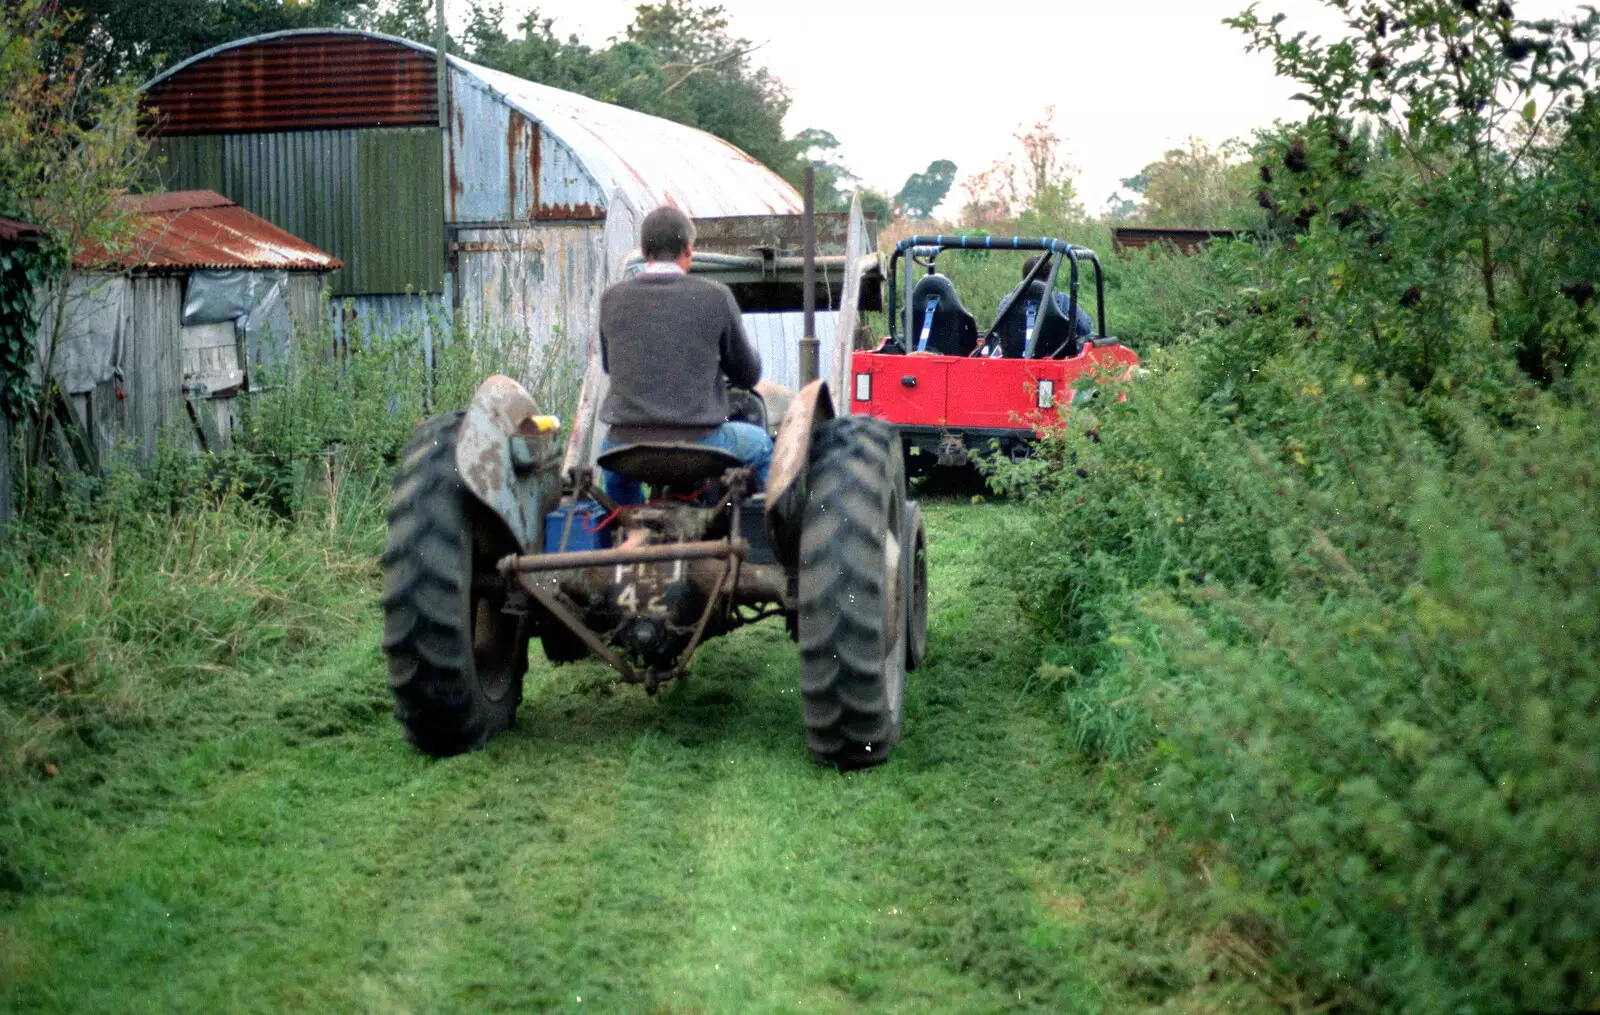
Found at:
(1071, 251)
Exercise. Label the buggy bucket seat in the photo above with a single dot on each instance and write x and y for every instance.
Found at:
(1035, 307)
(939, 323)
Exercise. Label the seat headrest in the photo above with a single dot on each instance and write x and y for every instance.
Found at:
(935, 284)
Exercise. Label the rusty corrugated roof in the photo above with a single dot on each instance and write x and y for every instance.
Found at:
(307, 80)
(301, 79)
(1186, 241)
(189, 229)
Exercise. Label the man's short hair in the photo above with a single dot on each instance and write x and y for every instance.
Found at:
(1027, 266)
(665, 234)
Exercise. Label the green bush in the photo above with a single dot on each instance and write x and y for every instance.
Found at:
(1327, 586)
(1407, 769)
(1355, 664)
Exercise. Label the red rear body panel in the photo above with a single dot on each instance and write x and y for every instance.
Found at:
(961, 393)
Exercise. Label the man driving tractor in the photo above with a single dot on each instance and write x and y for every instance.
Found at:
(668, 339)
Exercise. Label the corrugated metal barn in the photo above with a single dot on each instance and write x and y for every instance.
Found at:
(517, 216)
(164, 333)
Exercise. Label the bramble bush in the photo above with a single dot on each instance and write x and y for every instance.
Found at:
(1328, 584)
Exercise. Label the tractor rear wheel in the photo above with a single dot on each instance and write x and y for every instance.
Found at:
(852, 616)
(456, 658)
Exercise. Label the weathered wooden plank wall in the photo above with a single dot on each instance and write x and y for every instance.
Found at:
(152, 363)
(305, 299)
(857, 241)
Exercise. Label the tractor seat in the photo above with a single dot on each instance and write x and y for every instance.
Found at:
(939, 323)
(667, 464)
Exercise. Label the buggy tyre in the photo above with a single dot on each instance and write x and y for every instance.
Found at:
(852, 616)
(456, 660)
(915, 583)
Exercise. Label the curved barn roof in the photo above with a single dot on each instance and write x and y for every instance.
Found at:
(598, 148)
(652, 160)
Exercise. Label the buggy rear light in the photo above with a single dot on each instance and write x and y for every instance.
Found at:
(863, 387)
(1047, 394)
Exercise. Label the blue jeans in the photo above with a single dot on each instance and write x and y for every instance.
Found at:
(748, 442)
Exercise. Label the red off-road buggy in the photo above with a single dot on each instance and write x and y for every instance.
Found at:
(953, 391)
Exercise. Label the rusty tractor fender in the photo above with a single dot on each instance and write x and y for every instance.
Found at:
(786, 480)
(506, 456)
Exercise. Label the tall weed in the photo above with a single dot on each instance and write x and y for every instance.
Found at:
(126, 590)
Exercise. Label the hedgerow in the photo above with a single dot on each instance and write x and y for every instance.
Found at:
(1327, 585)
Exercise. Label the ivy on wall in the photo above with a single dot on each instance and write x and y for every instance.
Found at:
(22, 268)
(17, 325)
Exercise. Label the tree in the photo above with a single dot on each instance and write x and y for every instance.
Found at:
(1198, 187)
(709, 81)
(138, 37)
(622, 73)
(409, 19)
(1032, 183)
(1442, 136)
(821, 149)
(1120, 208)
(1050, 202)
(924, 191)
(875, 204)
(70, 149)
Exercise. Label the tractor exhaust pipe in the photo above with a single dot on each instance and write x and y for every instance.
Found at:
(810, 348)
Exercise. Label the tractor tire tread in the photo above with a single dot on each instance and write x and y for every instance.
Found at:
(847, 712)
(427, 633)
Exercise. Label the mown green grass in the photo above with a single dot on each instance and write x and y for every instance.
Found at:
(275, 846)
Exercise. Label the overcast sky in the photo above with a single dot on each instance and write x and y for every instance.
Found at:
(904, 83)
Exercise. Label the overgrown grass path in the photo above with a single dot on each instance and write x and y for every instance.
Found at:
(283, 850)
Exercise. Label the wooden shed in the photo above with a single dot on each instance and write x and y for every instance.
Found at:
(1181, 240)
(160, 337)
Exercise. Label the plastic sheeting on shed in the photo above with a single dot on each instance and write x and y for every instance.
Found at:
(90, 348)
(257, 304)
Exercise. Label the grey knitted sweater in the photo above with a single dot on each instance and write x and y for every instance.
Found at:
(667, 340)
